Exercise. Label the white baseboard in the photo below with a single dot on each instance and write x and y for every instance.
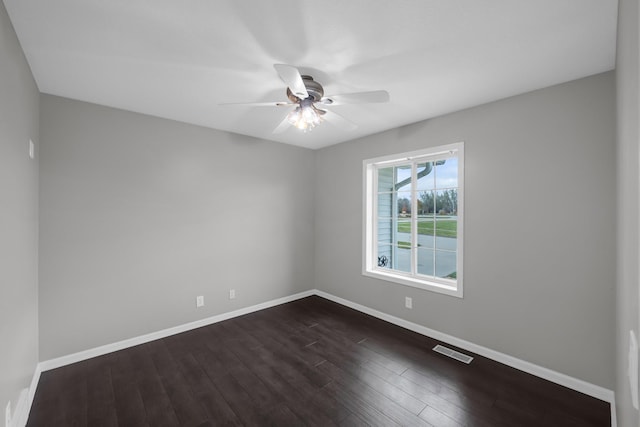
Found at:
(31, 394)
(22, 408)
(614, 421)
(539, 371)
(589, 389)
(120, 345)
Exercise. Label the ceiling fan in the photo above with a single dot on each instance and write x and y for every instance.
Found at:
(307, 95)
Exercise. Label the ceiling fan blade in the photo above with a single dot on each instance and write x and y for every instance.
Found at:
(338, 121)
(292, 78)
(261, 104)
(284, 125)
(356, 98)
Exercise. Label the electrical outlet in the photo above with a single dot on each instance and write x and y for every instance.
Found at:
(199, 301)
(232, 293)
(408, 302)
(32, 150)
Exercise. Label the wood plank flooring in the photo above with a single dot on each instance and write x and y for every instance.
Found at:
(308, 362)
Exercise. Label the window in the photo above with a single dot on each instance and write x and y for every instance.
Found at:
(413, 218)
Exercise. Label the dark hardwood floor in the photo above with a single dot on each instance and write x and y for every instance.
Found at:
(308, 362)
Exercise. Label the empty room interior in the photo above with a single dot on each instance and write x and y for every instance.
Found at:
(272, 213)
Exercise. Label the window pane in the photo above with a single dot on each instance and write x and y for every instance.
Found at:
(403, 178)
(385, 231)
(385, 205)
(447, 173)
(446, 202)
(425, 261)
(446, 264)
(404, 204)
(425, 176)
(446, 232)
(385, 256)
(403, 229)
(426, 202)
(402, 260)
(425, 232)
(385, 179)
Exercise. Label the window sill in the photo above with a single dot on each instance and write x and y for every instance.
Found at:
(427, 285)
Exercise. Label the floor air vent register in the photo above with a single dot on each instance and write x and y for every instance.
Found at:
(453, 354)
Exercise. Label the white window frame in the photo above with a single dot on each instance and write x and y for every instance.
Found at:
(453, 287)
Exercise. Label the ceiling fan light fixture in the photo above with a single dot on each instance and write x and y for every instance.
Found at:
(304, 94)
(305, 117)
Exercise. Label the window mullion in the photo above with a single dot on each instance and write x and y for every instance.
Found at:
(394, 222)
(414, 219)
(435, 217)
(374, 221)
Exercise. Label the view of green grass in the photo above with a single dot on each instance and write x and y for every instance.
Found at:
(404, 245)
(444, 227)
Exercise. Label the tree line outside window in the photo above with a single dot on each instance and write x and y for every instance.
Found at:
(445, 202)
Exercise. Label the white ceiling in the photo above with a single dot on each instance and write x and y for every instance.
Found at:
(180, 60)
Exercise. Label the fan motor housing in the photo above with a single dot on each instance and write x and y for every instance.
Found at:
(314, 89)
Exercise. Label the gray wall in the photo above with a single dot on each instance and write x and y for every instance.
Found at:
(139, 215)
(539, 261)
(628, 199)
(18, 218)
